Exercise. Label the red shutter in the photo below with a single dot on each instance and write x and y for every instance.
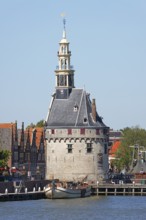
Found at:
(82, 131)
(69, 131)
(97, 131)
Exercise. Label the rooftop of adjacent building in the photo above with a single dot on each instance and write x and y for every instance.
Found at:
(114, 148)
(117, 134)
(7, 125)
(13, 126)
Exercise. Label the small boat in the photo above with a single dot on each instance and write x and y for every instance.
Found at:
(66, 191)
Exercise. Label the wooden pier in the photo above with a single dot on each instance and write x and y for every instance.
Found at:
(119, 190)
(28, 190)
(96, 189)
(22, 196)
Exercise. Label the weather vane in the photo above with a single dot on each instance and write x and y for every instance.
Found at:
(64, 20)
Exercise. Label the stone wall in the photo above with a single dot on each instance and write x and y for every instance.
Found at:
(78, 164)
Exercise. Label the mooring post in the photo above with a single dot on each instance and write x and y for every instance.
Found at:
(33, 189)
(106, 191)
(123, 191)
(133, 191)
(97, 190)
(115, 193)
(141, 191)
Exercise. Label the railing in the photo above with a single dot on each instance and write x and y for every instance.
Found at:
(64, 67)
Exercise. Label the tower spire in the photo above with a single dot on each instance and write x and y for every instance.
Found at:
(64, 71)
(64, 28)
(64, 25)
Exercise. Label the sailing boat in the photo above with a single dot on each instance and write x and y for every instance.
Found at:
(67, 190)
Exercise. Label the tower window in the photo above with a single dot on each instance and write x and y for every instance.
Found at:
(62, 49)
(69, 148)
(89, 147)
(65, 50)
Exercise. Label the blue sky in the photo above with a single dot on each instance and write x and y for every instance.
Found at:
(108, 44)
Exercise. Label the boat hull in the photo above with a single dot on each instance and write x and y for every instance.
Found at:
(63, 193)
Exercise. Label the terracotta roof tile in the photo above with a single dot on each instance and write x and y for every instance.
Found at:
(38, 134)
(114, 148)
(6, 125)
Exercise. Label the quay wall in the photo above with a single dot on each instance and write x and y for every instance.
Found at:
(119, 189)
(10, 186)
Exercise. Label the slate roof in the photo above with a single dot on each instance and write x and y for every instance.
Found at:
(63, 112)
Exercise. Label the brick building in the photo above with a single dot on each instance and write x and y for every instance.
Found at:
(27, 148)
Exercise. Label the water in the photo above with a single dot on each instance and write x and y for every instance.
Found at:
(100, 208)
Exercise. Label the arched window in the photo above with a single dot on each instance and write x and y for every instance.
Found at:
(62, 49)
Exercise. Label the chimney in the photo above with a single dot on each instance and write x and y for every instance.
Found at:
(94, 110)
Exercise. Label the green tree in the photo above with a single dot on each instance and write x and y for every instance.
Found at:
(131, 138)
(40, 123)
(4, 157)
(30, 126)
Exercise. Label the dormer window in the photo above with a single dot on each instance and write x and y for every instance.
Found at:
(75, 108)
(85, 120)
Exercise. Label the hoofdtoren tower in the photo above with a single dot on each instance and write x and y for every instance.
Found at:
(76, 137)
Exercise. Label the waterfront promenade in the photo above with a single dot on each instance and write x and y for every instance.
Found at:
(22, 190)
(33, 190)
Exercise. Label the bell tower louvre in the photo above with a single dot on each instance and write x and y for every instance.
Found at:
(76, 137)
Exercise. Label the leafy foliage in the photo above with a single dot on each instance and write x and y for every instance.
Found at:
(38, 124)
(4, 157)
(131, 138)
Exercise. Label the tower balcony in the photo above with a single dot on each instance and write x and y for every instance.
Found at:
(64, 67)
(64, 53)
